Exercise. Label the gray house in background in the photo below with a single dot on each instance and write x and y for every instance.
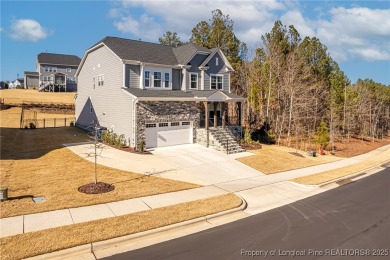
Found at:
(158, 94)
(31, 79)
(57, 72)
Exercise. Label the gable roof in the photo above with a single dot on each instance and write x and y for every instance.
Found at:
(127, 49)
(184, 53)
(58, 59)
(215, 51)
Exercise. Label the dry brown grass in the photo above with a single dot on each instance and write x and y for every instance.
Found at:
(18, 96)
(49, 240)
(326, 176)
(272, 159)
(35, 163)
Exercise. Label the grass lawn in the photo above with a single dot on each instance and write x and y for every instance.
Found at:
(35, 163)
(18, 96)
(49, 240)
(322, 177)
(273, 159)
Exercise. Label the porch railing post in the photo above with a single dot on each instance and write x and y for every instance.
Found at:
(215, 115)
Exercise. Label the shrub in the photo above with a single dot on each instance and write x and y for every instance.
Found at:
(141, 146)
(322, 137)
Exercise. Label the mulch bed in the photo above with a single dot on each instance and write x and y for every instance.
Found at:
(126, 149)
(251, 146)
(96, 188)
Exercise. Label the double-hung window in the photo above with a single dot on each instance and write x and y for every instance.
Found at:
(216, 82)
(166, 80)
(100, 80)
(68, 70)
(147, 79)
(194, 80)
(157, 80)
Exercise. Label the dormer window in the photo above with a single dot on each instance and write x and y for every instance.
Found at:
(194, 81)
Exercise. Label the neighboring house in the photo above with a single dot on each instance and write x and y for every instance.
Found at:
(158, 94)
(18, 82)
(31, 79)
(4, 84)
(57, 72)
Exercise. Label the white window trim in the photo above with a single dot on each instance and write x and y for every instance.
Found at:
(217, 75)
(197, 80)
(169, 80)
(100, 78)
(161, 81)
(149, 86)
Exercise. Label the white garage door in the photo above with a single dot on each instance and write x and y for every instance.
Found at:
(168, 134)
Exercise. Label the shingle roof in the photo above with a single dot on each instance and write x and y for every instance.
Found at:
(177, 94)
(185, 52)
(31, 73)
(128, 49)
(141, 51)
(58, 59)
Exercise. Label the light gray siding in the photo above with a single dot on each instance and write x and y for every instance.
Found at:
(31, 81)
(214, 69)
(176, 79)
(110, 98)
(132, 76)
(70, 86)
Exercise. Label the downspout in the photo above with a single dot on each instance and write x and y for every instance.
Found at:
(134, 121)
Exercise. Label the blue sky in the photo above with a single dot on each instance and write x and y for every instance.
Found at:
(357, 33)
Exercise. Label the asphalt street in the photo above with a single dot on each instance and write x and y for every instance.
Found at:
(348, 222)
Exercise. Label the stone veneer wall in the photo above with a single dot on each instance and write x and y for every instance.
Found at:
(201, 138)
(166, 111)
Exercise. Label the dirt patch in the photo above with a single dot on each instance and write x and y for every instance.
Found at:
(96, 188)
(356, 146)
(19, 96)
(251, 146)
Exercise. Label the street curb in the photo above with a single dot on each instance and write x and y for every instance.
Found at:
(65, 253)
(361, 173)
(126, 239)
(114, 242)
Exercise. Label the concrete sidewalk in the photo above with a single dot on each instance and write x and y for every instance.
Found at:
(39, 221)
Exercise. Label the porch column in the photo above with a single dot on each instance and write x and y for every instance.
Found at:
(239, 112)
(223, 108)
(215, 115)
(206, 114)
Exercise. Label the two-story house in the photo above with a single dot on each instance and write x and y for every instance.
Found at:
(158, 94)
(56, 72)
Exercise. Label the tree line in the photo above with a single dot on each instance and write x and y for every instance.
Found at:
(293, 87)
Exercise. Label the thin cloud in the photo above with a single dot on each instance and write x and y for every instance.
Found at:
(354, 33)
(27, 30)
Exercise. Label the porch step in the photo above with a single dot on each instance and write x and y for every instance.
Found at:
(226, 140)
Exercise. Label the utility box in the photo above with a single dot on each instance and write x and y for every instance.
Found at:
(3, 193)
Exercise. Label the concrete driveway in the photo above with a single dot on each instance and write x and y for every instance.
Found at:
(204, 164)
(190, 163)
